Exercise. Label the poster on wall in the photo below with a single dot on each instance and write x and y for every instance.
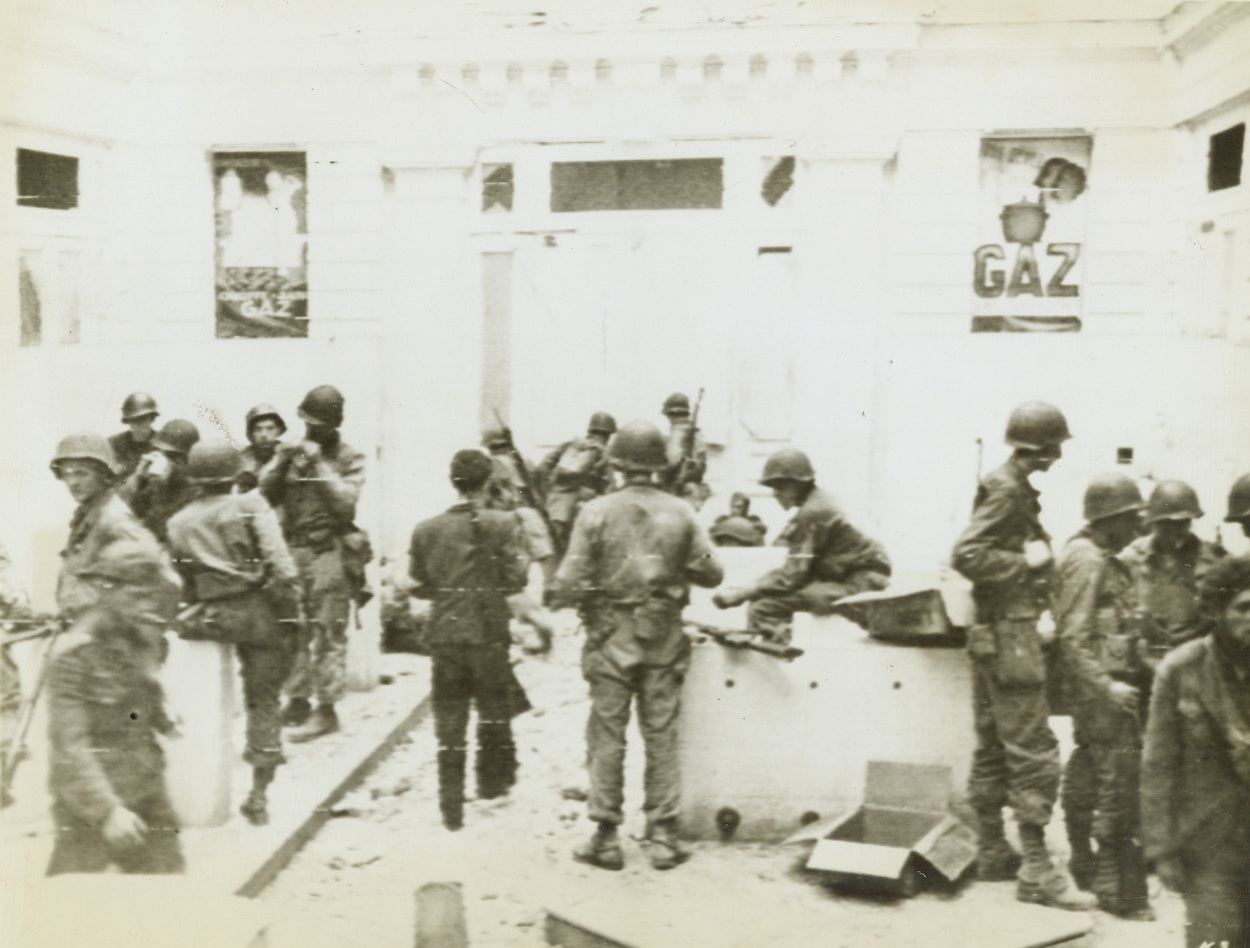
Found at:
(262, 244)
(1027, 267)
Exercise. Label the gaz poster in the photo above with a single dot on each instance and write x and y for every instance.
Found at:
(262, 244)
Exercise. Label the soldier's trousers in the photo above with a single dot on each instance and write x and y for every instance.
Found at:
(320, 666)
(473, 676)
(1217, 908)
(772, 614)
(81, 846)
(613, 689)
(1016, 761)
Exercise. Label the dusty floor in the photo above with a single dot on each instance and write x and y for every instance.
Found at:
(512, 861)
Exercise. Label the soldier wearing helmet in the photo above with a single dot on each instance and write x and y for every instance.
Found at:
(468, 560)
(129, 447)
(158, 486)
(1005, 552)
(1096, 616)
(105, 710)
(828, 558)
(632, 556)
(685, 452)
(236, 567)
(576, 472)
(314, 486)
(265, 429)
(1239, 504)
(739, 527)
(1168, 565)
(84, 464)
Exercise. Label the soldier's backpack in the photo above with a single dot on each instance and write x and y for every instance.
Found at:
(576, 462)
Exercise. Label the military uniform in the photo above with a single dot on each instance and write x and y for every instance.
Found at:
(13, 605)
(1167, 588)
(155, 499)
(254, 461)
(1016, 761)
(507, 491)
(95, 524)
(1195, 787)
(128, 452)
(828, 559)
(230, 551)
(682, 473)
(105, 708)
(468, 561)
(317, 503)
(1097, 618)
(574, 473)
(630, 562)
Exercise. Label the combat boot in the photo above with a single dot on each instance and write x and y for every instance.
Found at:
(256, 806)
(603, 849)
(663, 848)
(1040, 882)
(296, 712)
(495, 764)
(451, 787)
(322, 721)
(996, 860)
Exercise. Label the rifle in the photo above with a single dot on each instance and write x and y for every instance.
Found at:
(688, 465)
(748, 640)
(16, 751)
(529, 493)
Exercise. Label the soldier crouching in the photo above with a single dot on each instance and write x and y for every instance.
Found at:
(105, 708)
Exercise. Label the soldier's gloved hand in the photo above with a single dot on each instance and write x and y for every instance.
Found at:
(1125, 696)
(1171, 873)
(1037, 554)
(729, 599)
(123, 828)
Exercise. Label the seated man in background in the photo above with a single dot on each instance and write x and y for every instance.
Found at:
(828, 558)
(739, 527)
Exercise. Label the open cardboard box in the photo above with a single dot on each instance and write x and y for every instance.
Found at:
(902, 836)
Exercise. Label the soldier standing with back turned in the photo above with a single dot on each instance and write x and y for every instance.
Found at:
(1006, 554)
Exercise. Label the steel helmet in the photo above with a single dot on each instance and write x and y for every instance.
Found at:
(211, 462)
(739, 529)
(1173, 500)
(470, 469)
(639, 446)
(176, 435)
(1239, 500)
(322, 406)
(495, 437)
(1110, 494)
(601, 422)
(788, 464)
(259, 413)
(84, 447)
(1036, 425)
(138, 405)
(676, 404)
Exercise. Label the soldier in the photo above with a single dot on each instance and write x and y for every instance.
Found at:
(1006, 555)
(1167, 566)
(265, 429)
(739, 527)
(237, 569)
(84, 463)
(828, 558)
(575, 472)
(468, 560)
(630, 562)
(685, 451)
(13, 607)
(1239, 504)
(157, 487)
(105, 708)
(1195, 788)
(314, 486)
(1097, 618)
(139, 412)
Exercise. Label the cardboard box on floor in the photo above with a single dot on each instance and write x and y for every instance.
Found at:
(902, 835)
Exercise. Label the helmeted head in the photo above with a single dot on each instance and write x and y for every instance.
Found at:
(739, 504)
(85, 463)
(1173, 500)
(264, 425)
(176, 438)
(638, 448)
(1239, 503)
(601, 423)
(495, 438)
(790, 474)
(1113, 504)
(139, 406)
(1037, 430)
(470, 470)
(214, 462)
(736, 531)
(676, 407)
(322, 407)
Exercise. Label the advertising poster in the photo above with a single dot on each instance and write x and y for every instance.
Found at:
(1028, 264)
(262, 244)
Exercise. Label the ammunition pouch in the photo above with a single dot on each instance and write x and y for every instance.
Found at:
(357, 553)
(1117, 643)
(1018, 658)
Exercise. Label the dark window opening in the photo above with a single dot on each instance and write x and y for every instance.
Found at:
(1224, 158)
(46, 180)
(497, 187)
(681, 184)
(778, 181)
(1123, 455)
